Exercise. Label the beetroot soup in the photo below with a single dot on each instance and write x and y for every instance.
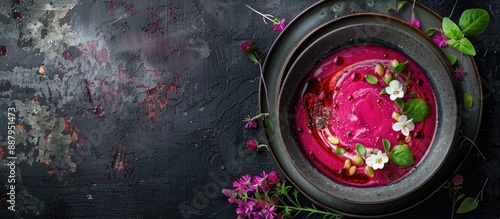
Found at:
(365, 115)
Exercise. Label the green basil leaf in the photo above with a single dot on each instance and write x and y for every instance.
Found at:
(430, 31)
(451, 30)
(467, 205)
(402, 156)
(466, 47)
(383, 91)
(361, 149)
(474, 21)
(400, 67)
(400, 103)
(468, 100)
(387, 145)
(339, 150)
(460, 197)
(269, 126)
(452, 42)
(452, 59)
(417, 109)
(371, 79)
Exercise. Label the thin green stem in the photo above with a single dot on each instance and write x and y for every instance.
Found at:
(311, 210)
(482, 189)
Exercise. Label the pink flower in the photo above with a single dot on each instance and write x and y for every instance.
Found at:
(243, 183)
(414, 22)
(279, 25)
(260, 182)
(457, 179)
(252, 144)
(246, 46)
(268, 211)
(460, 74)
(245, 209)
(440, 39)
(251, 123)
(273, 177)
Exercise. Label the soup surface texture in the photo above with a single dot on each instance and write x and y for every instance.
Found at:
(343, 114)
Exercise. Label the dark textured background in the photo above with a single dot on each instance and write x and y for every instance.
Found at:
(138, 113)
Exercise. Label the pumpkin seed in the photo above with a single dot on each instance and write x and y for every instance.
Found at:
(379, 69)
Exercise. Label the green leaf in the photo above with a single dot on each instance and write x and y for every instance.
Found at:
(339, 150)
(400, 67)
(400, 103)
(412, 94)
(402, 156)
(474, 21)
(451, 30)
(468, 100)
(452, 59)
(258, 195)
(417, 109)
(401, 5)
(295, 193)
(452, 42)
(387, 145)
(360, 149)
(252, 57)
(459, 197)
(371, 79)
(383, 91)
(430, 31)
(466, 47)
(467, 205)
(269, 126)
(408, 78)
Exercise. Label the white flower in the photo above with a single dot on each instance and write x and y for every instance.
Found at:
(377, 161)
(404, 125)
(395, 89)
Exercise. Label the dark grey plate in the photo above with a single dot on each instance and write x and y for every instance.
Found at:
(317, 22)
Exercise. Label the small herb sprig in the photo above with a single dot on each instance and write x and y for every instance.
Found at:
(454, 185)
(473, 22)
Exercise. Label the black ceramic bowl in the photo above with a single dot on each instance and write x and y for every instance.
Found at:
(437, 165)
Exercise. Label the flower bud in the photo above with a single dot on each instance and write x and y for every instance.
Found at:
(457, 179)
(273, 177)
(252, 144)
(246, 46)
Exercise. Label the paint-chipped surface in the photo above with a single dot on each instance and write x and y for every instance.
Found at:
(132, 109)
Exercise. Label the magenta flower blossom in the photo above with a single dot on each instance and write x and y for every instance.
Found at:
(246, 46)
(250, 123)
(279, 25)
(414, 22)
(245, 209)
(457, 180)
(269, 211)
(260, 181)
(243, 183)
(273, 177)
(440, 39)
(460, 73)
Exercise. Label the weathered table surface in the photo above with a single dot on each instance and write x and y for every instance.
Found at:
(133, 109)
